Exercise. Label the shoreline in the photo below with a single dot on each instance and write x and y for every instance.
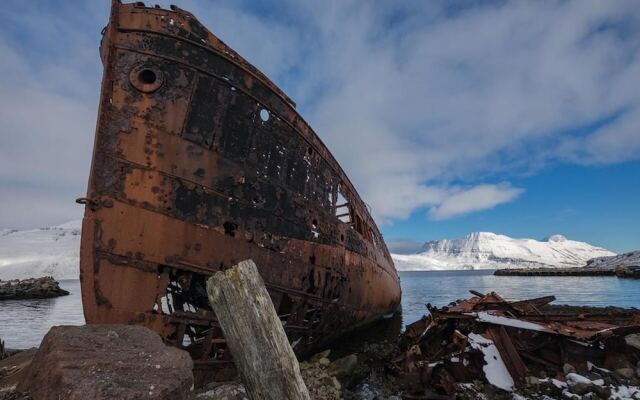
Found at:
(376, 361)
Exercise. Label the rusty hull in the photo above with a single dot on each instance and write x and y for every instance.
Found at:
(200, 162)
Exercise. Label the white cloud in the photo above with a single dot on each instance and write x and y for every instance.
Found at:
(46, 140)
(486, 91)
(481, 197)
(404, 246)
(409, 97)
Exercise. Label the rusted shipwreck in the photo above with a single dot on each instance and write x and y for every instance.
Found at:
(508, 342)
(199, 162)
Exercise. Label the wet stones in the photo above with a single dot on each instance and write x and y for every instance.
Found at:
(343, 367)
(633, 340)
(229, 391)
(627, 373)
(31, 288)
(321, 384)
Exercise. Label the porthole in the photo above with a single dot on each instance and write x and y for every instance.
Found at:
(146, 78)
(264, 115)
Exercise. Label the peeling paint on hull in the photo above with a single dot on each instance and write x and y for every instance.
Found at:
(200, 162)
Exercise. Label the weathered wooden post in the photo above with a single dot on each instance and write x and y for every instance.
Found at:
(254, 334)
(3, 353)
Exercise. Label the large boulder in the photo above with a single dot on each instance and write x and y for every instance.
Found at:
(107, 362)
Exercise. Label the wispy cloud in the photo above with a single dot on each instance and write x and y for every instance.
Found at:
(481, 197)
(404, 246)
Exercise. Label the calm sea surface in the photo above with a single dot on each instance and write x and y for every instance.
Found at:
(442, 287)
(23, 323)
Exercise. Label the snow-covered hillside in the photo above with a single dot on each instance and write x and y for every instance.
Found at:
(621, 260)
(485, 250)
(54, 251)
(40, 252)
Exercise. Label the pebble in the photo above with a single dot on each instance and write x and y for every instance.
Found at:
(626, 372)
(568, 368)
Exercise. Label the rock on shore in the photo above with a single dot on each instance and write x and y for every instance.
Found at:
(32, 288)
(107, 362)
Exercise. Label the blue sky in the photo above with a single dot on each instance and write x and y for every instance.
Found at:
(520, 118)
(598, 205)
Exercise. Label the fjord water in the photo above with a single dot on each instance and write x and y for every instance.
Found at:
(442, 287)
(23, 323)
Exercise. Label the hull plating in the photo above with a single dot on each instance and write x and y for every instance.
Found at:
(200, 162)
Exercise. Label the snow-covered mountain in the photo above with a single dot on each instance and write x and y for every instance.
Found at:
(485, 250)
(621, 260)
(52, 251)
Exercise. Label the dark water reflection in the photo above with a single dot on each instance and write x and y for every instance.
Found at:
(23, 323)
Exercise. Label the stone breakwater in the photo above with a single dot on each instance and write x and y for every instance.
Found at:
(32, 288)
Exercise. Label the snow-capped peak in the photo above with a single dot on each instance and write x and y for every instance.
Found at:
(487, 250)
(556, 238)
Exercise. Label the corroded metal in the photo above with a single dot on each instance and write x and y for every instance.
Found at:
(200, 162)
(530, 337)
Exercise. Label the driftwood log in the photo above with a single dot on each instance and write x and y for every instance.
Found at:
(254, 334)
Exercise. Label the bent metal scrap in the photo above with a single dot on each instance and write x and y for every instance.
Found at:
(200, 162)
(503, 342)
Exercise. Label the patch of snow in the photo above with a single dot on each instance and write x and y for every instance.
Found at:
(556, 238)
(52, 251)
(591, 366)
(495, 370)
(486, 250)
(566, 393)
(573, 378)
(621, 260)
(484, 316)
(625, 392)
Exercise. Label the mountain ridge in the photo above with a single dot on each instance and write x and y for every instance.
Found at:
(54, 251)
(488, 250)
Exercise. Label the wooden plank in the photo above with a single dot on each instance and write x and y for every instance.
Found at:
(260, 348)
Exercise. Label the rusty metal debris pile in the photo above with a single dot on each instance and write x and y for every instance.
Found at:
(510, 343)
